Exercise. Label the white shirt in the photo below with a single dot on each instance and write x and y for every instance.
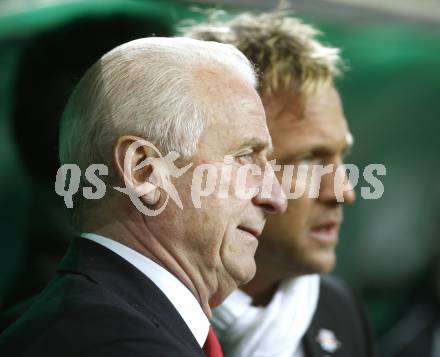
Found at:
(275, 330)
(179, 295)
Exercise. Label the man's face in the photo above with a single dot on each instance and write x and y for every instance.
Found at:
(312, 131)
(222, 235)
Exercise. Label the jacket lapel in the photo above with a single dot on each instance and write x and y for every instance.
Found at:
(113, 273)
(311, 348)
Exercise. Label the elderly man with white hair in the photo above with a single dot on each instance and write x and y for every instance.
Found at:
(143, 285)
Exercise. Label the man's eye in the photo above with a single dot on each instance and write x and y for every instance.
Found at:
(312, 160)
(245, 157)
(306, 160)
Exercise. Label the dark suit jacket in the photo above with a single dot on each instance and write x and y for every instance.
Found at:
(338, 311)
(99, 305)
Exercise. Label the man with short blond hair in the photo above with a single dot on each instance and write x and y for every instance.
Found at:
(288, 309)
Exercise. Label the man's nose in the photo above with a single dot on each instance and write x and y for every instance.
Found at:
(331, 185)
(349, 195)
(273, 202)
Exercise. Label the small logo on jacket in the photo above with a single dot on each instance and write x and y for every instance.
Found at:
(327, 340)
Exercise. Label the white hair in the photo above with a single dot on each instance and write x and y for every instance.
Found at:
(146, 87)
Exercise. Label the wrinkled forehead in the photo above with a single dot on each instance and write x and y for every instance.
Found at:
(225, 91)
(242, 115)
(231, 100)
(238, 120)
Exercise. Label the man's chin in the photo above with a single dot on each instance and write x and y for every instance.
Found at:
(235, 278)
(313, 262)
(323, 263)
(245, 273)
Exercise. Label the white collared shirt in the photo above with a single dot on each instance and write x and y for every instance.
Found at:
(273, 330)
(179, 295)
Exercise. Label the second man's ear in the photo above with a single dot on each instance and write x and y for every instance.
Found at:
(135, 163)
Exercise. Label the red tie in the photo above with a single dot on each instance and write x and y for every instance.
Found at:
(212, 346)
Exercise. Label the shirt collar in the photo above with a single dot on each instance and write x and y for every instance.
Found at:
(273, 330)
(179, 295)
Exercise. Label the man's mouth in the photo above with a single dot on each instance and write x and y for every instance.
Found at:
(250, 231)
(326, 232)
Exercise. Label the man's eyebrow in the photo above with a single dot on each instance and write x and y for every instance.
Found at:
(254, 143)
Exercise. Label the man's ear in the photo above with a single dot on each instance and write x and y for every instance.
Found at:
(134, 162)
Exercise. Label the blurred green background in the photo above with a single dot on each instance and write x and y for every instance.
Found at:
(391, 94)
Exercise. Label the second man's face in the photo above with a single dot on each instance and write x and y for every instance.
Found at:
(309, 131)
